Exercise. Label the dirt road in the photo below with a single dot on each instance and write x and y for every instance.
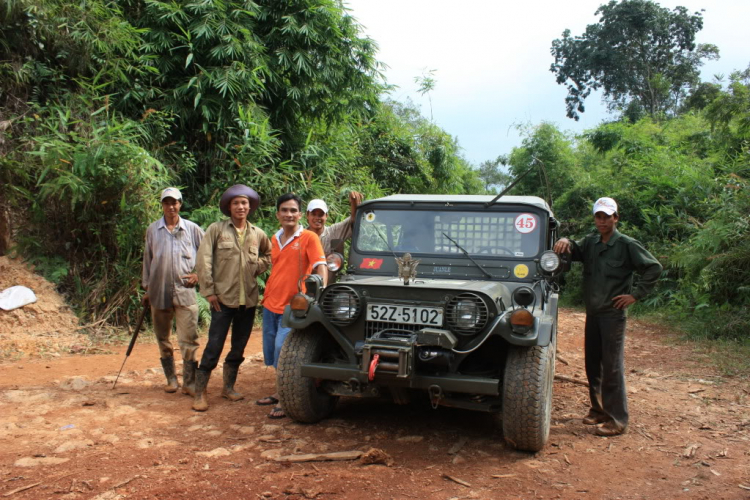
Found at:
(64, 433)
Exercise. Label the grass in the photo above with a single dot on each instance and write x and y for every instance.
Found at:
(713, 336)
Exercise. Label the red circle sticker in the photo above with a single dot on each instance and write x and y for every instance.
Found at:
(525, 223)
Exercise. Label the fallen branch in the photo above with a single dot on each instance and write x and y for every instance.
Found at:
(322, 457)
(457, 480)
(22, 488)
(572, 380)
(561, 359)
(120, 485)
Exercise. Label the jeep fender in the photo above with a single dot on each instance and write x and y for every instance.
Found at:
(315, 315)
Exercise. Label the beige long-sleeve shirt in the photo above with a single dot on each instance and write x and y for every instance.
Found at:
(222, 262)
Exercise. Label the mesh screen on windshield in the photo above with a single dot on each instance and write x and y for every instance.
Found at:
(514, 234)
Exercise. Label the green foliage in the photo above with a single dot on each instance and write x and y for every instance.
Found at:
(93, 199)
(492, 175)
(641, 55)
(551, 154)
(106, 102)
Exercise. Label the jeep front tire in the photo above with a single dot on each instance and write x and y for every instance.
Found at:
(527, 396)
(302, 398)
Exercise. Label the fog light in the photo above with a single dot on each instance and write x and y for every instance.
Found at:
(549, 262)
(334, 261)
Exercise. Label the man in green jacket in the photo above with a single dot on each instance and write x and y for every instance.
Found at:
(609, 261)
(231, 256)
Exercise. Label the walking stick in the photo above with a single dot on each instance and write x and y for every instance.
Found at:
(146, 307)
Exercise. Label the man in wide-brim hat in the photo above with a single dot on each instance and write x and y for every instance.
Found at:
(231, 257)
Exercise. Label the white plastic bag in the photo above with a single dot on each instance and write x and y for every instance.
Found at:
(15, 297)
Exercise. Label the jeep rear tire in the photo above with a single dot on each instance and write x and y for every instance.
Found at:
(301, 397)
(527, 396)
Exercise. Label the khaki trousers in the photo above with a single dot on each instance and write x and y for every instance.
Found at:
(186, 318)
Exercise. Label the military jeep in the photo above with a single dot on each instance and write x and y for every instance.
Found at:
(451, 296)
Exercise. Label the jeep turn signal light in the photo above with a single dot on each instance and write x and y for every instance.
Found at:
(300, 304)
(521, 320)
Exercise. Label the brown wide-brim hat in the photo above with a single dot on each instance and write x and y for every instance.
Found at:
(234, 192)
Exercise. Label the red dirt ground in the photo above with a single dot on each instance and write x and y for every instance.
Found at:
(64, 433)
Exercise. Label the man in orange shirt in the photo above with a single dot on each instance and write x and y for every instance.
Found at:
(295, 252)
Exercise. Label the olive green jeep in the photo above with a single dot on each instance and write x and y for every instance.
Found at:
(455, 296)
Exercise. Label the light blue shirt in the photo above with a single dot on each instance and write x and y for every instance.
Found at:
(166, 257)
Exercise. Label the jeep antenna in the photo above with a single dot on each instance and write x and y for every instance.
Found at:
(534, 161)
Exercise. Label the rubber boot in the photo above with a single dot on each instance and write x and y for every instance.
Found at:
(188, 377)
(168, 365)
(200, 403)
(230, 377)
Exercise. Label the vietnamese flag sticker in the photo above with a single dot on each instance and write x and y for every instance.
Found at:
(371, 263)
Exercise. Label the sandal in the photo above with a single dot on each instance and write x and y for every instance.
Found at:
(267, 401)
(276, 413)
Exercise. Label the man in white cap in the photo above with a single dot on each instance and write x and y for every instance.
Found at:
(330, 236)
(169, 280)
(609, 261)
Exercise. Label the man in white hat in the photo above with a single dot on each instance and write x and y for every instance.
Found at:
(330, 236)
(169, 280)
(609, 261)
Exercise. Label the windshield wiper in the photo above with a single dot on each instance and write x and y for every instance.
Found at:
(486, 273)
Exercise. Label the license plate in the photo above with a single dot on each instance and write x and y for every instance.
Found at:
(409, 315)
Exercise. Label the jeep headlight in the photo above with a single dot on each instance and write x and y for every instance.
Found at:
(550, 262)
(341, 305)
(467, 314)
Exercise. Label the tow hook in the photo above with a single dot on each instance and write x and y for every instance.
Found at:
(436, 394)
(373, 367)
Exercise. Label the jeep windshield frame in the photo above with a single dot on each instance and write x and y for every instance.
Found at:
(500, 233)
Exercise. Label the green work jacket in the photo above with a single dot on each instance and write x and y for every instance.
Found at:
(608, 270)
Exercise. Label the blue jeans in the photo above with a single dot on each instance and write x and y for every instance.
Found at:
(273, 337)
(241, 319)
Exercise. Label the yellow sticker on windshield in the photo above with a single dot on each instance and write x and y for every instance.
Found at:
(521, 270)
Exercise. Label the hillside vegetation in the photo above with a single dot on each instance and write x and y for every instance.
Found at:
(104, 103)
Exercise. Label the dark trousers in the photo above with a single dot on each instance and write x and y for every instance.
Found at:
(605, 367)
(241, 319)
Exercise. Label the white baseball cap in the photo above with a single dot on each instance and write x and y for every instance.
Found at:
(171, 192)
(606, 205)
(315, 204)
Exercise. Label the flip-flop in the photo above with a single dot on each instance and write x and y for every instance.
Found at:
(267, 401)
(277, 409)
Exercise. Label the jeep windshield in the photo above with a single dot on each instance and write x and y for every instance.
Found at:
(512, 234)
